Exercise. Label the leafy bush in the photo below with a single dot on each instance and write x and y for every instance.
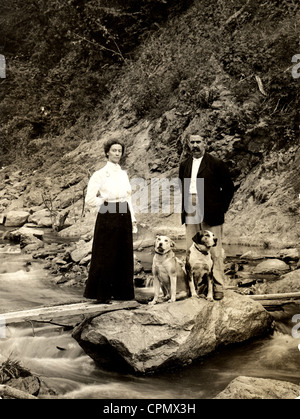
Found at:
(67, 60)
(62, 58)
(12, 369)
(217, 46)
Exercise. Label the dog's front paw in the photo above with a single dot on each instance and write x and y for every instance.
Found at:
(172, 300)
(152, 303)
(210, 298)
(194, 296)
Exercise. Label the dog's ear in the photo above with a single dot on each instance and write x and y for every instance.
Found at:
(197, 238)
(215, 242)
(172, 244)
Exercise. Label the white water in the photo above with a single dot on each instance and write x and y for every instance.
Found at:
(55, 356)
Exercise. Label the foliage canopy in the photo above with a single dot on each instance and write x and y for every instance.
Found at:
(67, 62)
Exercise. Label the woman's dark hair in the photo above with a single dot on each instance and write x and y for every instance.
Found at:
(111, 142)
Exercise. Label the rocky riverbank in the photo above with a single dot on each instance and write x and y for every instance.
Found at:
(254, 271)
(33, 205)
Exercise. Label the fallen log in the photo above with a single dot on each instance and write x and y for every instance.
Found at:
(276, 302)
(66, 310)
(275, 305)
(14, 393)
(279, 296)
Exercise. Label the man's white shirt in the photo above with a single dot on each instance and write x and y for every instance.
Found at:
(195, 169)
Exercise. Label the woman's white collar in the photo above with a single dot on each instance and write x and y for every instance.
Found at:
(113, 166)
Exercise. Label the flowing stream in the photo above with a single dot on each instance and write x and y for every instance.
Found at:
(50, 352)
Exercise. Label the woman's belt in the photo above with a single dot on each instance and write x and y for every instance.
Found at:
(116, 207)
(114, 201)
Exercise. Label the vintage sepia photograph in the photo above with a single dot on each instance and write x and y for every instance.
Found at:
(149, 202)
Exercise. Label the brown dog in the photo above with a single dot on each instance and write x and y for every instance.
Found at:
(168, 274)
(199, 264)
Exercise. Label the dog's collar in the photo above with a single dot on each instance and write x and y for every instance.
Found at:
(159, 253)
(204, 252)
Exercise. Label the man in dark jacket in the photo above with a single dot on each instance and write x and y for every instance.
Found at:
(207, 190)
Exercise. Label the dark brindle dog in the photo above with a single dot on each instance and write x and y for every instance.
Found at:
(199, 264)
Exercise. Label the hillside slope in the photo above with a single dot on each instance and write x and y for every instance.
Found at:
(220, 66)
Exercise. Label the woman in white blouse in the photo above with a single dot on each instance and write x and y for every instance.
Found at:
(111, 267)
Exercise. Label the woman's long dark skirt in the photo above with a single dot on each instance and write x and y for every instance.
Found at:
(111, 267)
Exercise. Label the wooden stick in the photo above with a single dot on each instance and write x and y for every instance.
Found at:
(280, 296)
(7, 391)
(66, 310)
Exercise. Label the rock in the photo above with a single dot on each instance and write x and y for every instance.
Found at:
(250, 255)
(271, 266)
(289, 254)
(42, 218)
(259, 388)
(61, 280)
(32, 247)
(51, 251)
(69, 196)
(152, 338)
(83, 226)
(82, 250)
(34, 196)
(24, 236)
(86, 260)
(138, 267)
(30, 239)
(289, 282)
(217, 104)
(39, 234)
(16, 218)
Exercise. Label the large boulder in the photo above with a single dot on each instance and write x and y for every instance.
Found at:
(289, 254)
(259, 388)
(16, 218)
(29, 238)
(287, 283)
(272, 266)
(24, 235)
(152, 338)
